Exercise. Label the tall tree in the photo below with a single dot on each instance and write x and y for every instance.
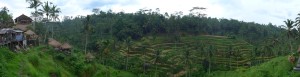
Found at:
(157, 59)
(54, 15)
(289, 24)
(34, 4)
(46, 10)
(298, 20)
(128, 42)
(187, 62)
(5, 18)
(87, 30)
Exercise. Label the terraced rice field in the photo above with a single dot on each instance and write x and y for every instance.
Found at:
(222, 52)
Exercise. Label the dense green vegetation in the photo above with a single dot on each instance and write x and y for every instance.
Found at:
(5, 18)
(120, 26)
(150, 44)
(43, 61)
(277, 67)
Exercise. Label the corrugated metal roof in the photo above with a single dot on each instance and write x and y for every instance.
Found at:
(5, 30)
(9, 30)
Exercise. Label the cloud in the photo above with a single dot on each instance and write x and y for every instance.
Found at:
(260, 11)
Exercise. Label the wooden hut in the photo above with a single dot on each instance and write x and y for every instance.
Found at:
(22, 22)
(23, 19)
(13, 38)
(8, 35)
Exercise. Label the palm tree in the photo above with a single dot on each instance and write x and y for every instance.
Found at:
(187, 62)
(210, 54)
(87, 30)
(289, 24)
(46, 10)
(298, 20)
(54, 15)
(157, 57)
(34, 4)
(128, 45)
(230, 53)
(143, 48)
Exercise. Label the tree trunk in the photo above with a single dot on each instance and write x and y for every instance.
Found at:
(155, 75)
(52, 31)
(291, 46)
(46, 32)
(34, 23)
(86, 41)
(46, 29)
(144, 66)
(127, 55)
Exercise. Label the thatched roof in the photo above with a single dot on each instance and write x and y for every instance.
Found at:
(66, 46)
(23, 17)
(54, 43)
(29, 32)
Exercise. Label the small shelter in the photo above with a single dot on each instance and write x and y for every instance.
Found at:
(30, 35)
(15, 38)
(52, 42)
(65, 47)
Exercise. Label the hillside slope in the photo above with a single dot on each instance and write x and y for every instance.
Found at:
(173, 56)
(45, 62)
(277, 67)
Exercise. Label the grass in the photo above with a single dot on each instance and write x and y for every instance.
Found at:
(41, 62)
(277, 67)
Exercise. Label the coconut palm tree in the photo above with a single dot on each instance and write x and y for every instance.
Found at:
(128, 42)
(289, 24)
(46, 10)
(187, 62)
(157, 57)
(87, 29)
(143, 48)
(298, 20)
(54, 15)
(34, 4)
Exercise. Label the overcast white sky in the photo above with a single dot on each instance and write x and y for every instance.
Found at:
(259, 11)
